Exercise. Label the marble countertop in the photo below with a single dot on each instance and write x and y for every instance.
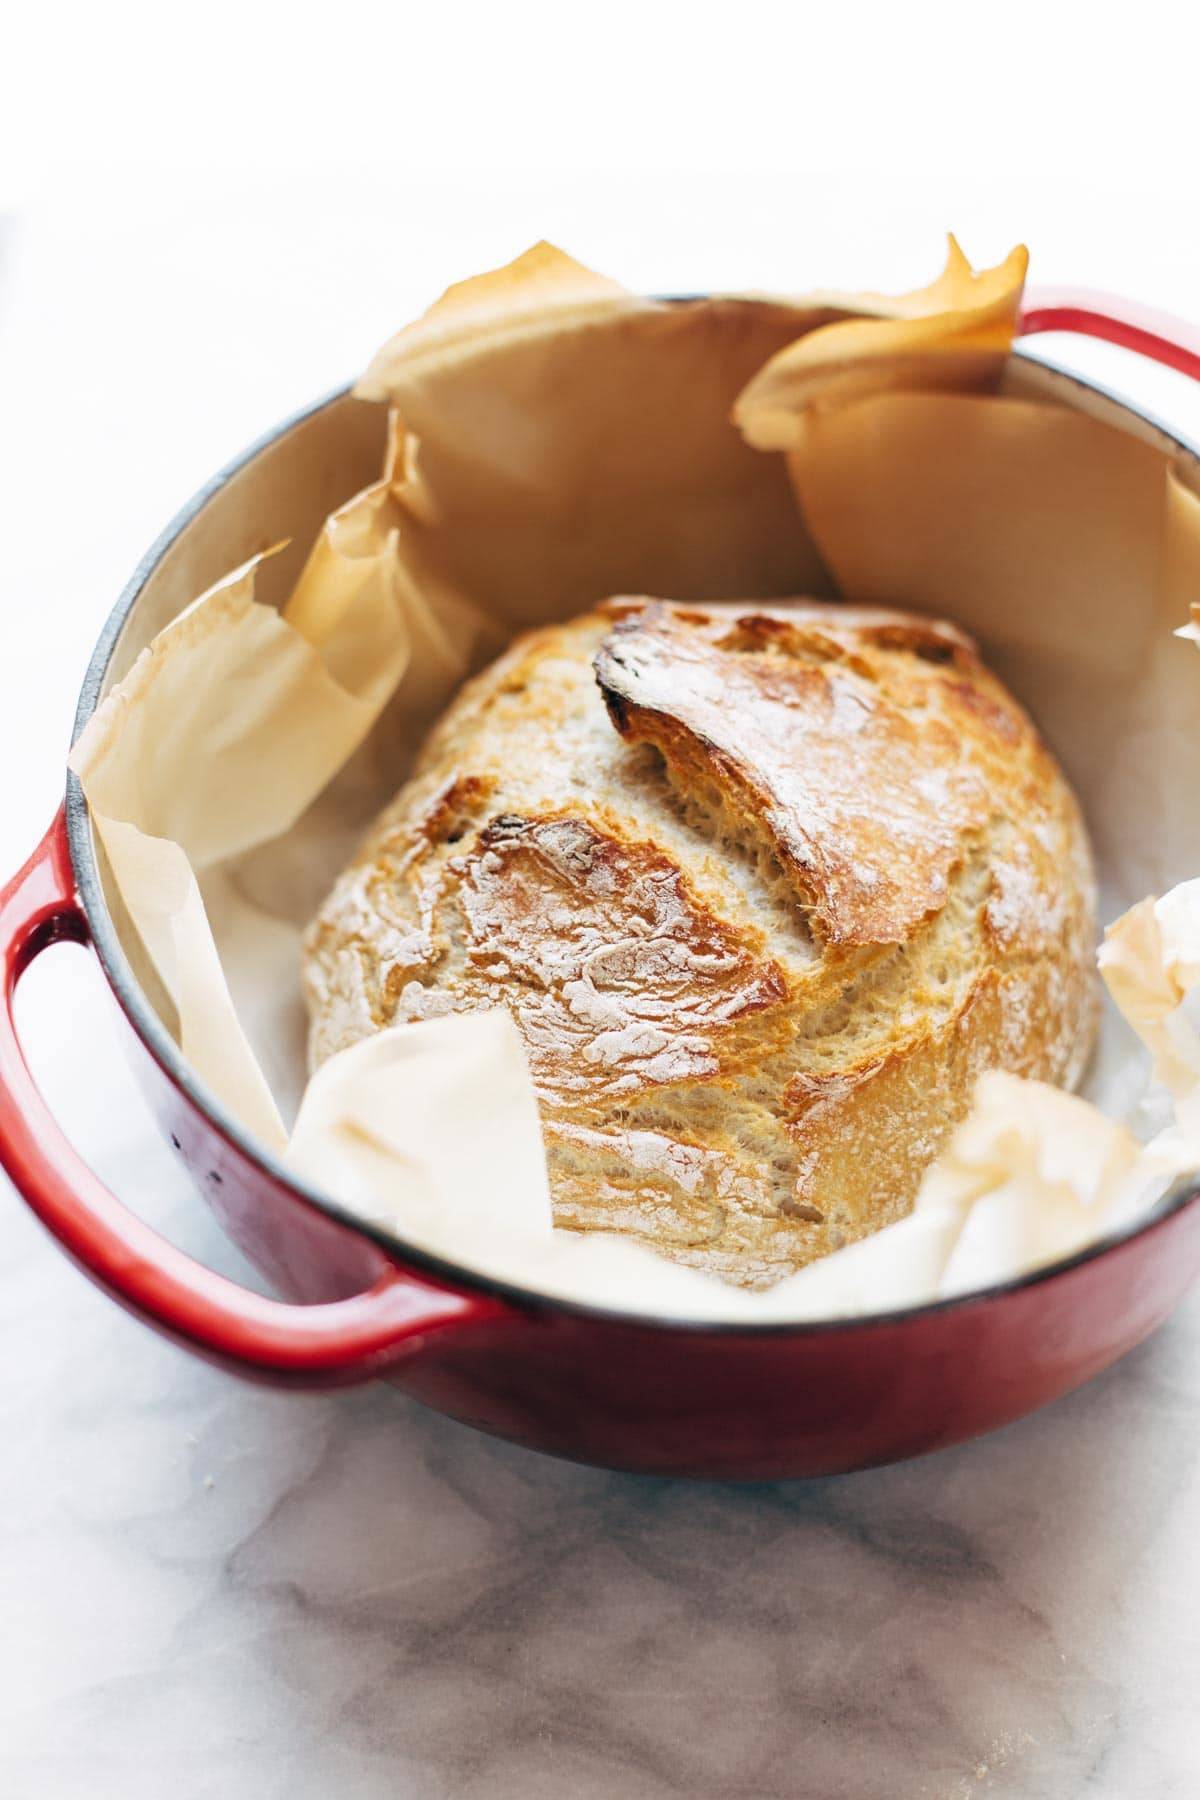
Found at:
(212, 1590)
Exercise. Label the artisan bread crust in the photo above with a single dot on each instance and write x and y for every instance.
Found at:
(766, 887)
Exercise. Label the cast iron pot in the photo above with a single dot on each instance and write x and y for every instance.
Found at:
(601, 1386)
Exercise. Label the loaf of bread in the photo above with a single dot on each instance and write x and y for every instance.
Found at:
(765, 887)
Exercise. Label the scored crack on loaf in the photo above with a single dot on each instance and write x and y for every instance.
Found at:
(765, 887)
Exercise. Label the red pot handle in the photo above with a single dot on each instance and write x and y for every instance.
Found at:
(306, 1346)
(1154, 334)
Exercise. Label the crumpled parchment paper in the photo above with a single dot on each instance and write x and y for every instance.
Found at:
(554, 439)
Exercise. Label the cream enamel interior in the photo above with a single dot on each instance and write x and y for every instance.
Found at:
(287, 488)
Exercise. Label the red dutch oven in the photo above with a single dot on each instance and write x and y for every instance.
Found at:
(597, 1385)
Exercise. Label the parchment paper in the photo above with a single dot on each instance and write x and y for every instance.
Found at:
(555, 439)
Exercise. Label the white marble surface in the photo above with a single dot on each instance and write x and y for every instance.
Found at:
(211, 1590)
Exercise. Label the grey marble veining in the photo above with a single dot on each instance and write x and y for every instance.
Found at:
(212, 1590)
(368, 1600)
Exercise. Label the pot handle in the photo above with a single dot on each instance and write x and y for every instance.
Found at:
(326, 1345)
(1157, 335)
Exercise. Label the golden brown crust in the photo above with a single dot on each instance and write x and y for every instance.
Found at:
(620, 979)
(864, 769)
(760, 939)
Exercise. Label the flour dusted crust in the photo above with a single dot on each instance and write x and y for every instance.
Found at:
(765, 887)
